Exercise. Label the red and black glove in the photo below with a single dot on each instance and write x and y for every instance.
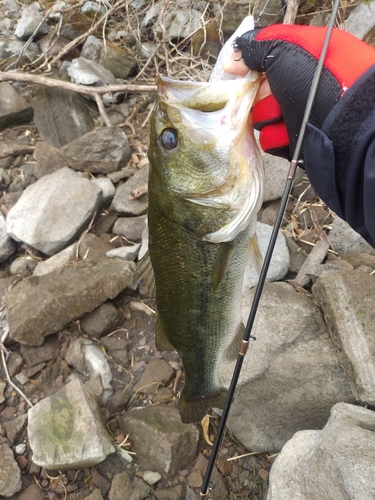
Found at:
(288, 55)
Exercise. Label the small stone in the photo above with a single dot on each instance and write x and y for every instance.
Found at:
(89, 153)
(14, 109)
(101, 321)
(93, 246)
(130, 227)
(61, 116)
(101, 482)
(30, 20)
(22, 378)
(128, 253)
(124, 201)
(190, 495)
(15, 427)
(20, 448)
(90, 6)
(162, 443)
(10, 474)
(106, 185)
(177, 492)
(151, 477)
(157, 372)
(140, 491)
(7, 245)
(195, 479)
(33, 492)
(49, 158)
(95, 495)
(58, 260)
(14, 363)
(118, 401)
(121, 487)
(46, 352)
(316, 256)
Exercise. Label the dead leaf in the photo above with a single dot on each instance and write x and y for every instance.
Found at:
(120, 438)
(205, 425)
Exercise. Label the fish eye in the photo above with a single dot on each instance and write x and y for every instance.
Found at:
(169, 138)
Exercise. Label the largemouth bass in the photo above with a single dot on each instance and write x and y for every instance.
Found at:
(205, 189)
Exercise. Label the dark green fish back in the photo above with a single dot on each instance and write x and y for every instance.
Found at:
(198, 321)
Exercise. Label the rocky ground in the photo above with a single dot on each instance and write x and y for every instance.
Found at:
(78, 330)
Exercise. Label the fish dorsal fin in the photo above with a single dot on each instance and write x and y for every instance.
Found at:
(221, 262)
(161, 341)
(146, 273)
(231, 352)
(254, 256)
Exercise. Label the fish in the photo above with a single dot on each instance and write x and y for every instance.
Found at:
(205, 188)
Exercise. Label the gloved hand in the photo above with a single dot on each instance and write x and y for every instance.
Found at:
(288, 55)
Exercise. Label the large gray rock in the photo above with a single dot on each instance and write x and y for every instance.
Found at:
(14, 110)
(280, 260)
(347, 301)
(7, 245)
(61, 116)
(290, 377)
(41, 305)
(66, 430)
(344, 239)
(124, 202)
(276, 170)
(161, 441)
(104, 150)
(31, 20)
(335, 463)
(53, 211)
(10, 474)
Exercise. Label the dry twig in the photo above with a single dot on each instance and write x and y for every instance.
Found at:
(4, 334)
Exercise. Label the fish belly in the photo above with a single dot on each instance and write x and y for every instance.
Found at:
(197, 321)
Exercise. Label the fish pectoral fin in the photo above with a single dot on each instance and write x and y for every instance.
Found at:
(254, 256)
(231, 352)
(221, 263)
(193, 409)
(161, 341)
(145, 272)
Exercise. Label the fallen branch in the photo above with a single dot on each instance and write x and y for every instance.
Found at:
(75, 87)
(94, 92)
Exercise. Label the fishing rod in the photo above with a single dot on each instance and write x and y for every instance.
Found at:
(296, 161)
